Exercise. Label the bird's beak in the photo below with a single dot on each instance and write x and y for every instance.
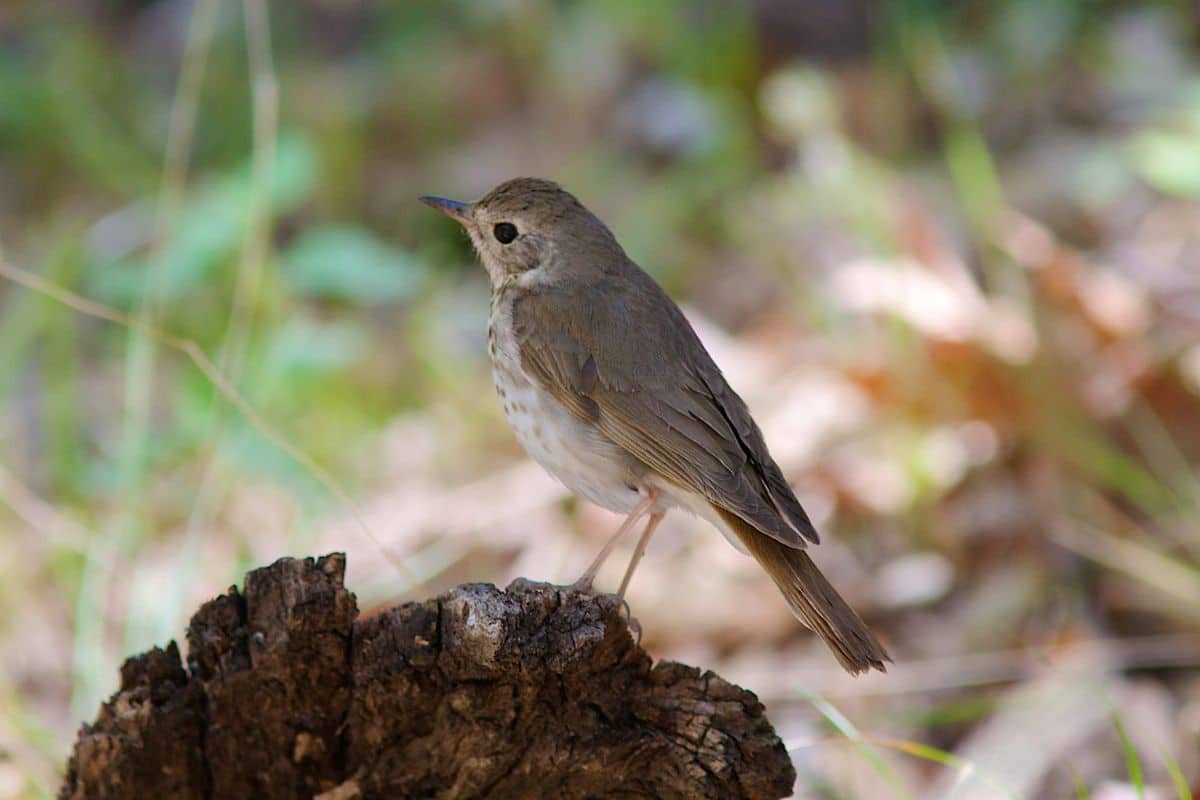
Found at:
(451, 208)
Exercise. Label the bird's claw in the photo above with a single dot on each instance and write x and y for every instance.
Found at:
(583, 585)
(631, 621)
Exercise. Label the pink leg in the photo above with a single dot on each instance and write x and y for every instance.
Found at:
(584, 584)
(639, 551)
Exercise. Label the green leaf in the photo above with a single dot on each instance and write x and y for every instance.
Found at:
(304, 345)
(1168, 161)
(344, 263)
(293, 176)
(209, 228)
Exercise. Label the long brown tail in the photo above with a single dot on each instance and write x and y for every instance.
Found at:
(814, 600)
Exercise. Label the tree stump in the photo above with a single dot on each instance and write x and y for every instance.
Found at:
(533, 691)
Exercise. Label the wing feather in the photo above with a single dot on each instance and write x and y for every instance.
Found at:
(664, 401)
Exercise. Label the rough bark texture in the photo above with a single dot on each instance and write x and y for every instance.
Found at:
(534, 691)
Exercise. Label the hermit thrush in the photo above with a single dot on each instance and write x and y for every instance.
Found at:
(607, 386)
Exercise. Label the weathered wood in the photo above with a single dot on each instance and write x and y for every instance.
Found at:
(533, 691)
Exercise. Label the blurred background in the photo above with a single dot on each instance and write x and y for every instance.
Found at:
(948, 252)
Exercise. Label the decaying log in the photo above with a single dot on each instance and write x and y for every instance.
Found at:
(533, 691)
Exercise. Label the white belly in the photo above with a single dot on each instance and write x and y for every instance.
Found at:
(576, 454)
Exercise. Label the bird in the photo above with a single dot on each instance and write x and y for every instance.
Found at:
(607, 386)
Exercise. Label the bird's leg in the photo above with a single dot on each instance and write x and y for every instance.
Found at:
(639, 551)
(584, 584)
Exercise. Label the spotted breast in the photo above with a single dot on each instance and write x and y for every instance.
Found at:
(578, 455)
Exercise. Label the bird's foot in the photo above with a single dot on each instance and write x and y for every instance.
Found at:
(584, 585)
(631, 621)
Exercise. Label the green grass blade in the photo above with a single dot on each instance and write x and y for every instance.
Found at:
(1182, 790)
(847, 728)
(1081, 790)
(1132, 763)
(966, 769)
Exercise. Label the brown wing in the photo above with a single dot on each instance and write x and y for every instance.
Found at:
(620, 354)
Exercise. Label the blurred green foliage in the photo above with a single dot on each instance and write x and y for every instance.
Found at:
(743, 153)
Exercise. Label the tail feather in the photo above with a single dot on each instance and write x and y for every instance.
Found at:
(814, 600)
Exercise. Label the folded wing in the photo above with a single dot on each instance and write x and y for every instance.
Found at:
(661, 398)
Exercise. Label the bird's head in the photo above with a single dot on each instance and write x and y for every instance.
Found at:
(533, 228)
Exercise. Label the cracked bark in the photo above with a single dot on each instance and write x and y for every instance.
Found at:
(533, 691)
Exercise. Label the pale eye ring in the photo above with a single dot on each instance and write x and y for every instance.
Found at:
(505, 232)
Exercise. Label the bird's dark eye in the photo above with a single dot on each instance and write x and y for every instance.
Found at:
(504, 232)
